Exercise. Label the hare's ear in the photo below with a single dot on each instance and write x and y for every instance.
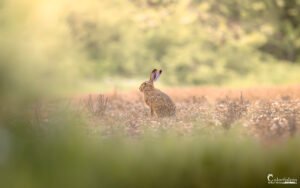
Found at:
(157, 74)
(153, 75)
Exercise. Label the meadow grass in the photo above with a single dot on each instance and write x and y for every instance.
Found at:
(67, 158)
(100, 142)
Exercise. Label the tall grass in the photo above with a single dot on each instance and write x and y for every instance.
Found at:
(62, 156)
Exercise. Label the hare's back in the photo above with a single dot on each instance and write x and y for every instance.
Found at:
(163, 100)
(165, 106)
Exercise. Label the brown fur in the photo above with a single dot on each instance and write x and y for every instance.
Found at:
(159, 102)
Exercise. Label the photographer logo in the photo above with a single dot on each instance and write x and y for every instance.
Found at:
(285, 180)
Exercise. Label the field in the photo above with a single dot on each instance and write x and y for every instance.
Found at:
(219, 137)
(268, 114)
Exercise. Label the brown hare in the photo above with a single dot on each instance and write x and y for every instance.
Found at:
(159, 102)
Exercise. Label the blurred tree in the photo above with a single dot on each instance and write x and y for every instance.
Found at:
(210, 39)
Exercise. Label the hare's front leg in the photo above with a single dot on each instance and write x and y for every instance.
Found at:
(152, 111)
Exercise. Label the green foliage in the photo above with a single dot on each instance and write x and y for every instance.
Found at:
(57, 157)
(196, 42)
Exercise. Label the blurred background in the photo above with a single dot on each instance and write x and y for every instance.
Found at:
(99, 44)
(50, 49)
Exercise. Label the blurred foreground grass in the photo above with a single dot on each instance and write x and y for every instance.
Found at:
(63, 156)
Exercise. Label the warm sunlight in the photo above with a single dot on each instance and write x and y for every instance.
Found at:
(149, 93)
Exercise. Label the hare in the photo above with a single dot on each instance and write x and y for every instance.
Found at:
(159, 102)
